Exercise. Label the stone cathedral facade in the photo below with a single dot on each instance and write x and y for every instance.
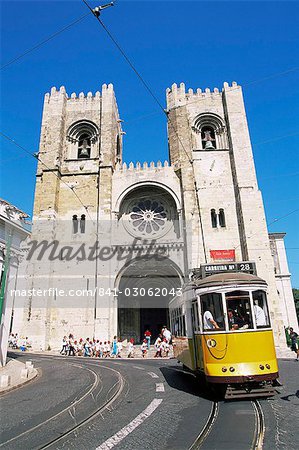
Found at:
(203, 206)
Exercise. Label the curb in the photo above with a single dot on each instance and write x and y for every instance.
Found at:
(38, 374)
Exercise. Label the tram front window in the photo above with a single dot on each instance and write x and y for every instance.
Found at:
(238, 310)
(260, 309)
(212, 312)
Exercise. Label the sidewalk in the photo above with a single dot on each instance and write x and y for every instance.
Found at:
(285, 353)
(15, 374)
(137, 353)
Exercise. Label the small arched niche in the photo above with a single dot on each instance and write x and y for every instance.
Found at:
(210, 132)
(82, 138)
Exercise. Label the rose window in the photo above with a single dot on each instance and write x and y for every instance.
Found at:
(148, 217)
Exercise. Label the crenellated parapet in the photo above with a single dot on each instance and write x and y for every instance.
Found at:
(178, 96)
(142, 167)
(61, 93)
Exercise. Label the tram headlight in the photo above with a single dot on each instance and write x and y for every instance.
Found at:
(262, 367)
(268, 366)
(231, 369)
(224, 369)
(211, 343)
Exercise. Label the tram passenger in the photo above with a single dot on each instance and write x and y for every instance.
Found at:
(208, 320)
(260, 317)
(234, 321)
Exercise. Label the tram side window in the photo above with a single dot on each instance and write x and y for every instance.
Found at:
(260, 309)
(238, 310)
(212, 311)
(178, 322)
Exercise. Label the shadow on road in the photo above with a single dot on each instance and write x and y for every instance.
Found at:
(186, 382)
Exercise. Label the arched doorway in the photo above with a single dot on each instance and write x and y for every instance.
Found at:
(145, 288)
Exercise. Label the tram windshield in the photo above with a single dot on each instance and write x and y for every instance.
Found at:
(238, 310)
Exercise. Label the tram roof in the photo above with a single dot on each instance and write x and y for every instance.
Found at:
(226, 278)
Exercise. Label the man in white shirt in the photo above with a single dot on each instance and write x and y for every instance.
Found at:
(260, 317)
(208, 321)
(167, 334)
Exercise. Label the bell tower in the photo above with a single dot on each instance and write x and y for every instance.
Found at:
(210, 149)
(81, 142)
(80, 146)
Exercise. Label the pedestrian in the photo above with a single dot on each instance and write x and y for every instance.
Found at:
(102, 349)
(97, 348)
(167, 334)
(64, 346)
(148, 336)
(87, 348)
(157, 346)
(119, 348)
(164, 347)
(131, 348)
(294, 342)
(114, 350)
(71, 345)
(76, 347)
(106, 347)
(80, 347)
(143, 348)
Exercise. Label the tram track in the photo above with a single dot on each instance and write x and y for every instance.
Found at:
(207, 427)
(112, 395)
(259, 434)
(259, 431)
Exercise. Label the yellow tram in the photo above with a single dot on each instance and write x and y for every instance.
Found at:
(222, 331)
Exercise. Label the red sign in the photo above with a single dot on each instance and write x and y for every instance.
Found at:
(228, 255)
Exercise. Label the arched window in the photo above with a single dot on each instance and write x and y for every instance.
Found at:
(82, 223)
(84, 146)
(221, 218)
(75, 224)
(208, 138)
(211, 131)
(213, 218)
(83, 136)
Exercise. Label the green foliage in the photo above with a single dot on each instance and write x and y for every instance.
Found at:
(296, 300)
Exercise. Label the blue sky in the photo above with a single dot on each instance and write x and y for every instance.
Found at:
(200, 43)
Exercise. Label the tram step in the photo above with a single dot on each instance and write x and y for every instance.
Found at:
(232, 393)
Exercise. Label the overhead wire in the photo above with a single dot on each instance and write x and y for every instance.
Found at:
(44, 41)
(35, 156)
(145, 84)
(166, 112)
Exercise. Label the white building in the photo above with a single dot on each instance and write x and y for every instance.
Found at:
(13, 230)
(283, 280)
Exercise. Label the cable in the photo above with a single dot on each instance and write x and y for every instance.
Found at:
(137, 73)
(271, 223)
(282, 217)
(8, 138)
(52, 36)
(85, 207)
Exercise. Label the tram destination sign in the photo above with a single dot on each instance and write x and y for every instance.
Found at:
(210, 269)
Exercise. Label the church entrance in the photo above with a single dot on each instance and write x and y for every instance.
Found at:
(144, 292)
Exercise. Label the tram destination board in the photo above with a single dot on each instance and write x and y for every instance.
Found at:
(210, 269)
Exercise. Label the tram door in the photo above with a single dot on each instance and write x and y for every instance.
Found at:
(195, 327)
